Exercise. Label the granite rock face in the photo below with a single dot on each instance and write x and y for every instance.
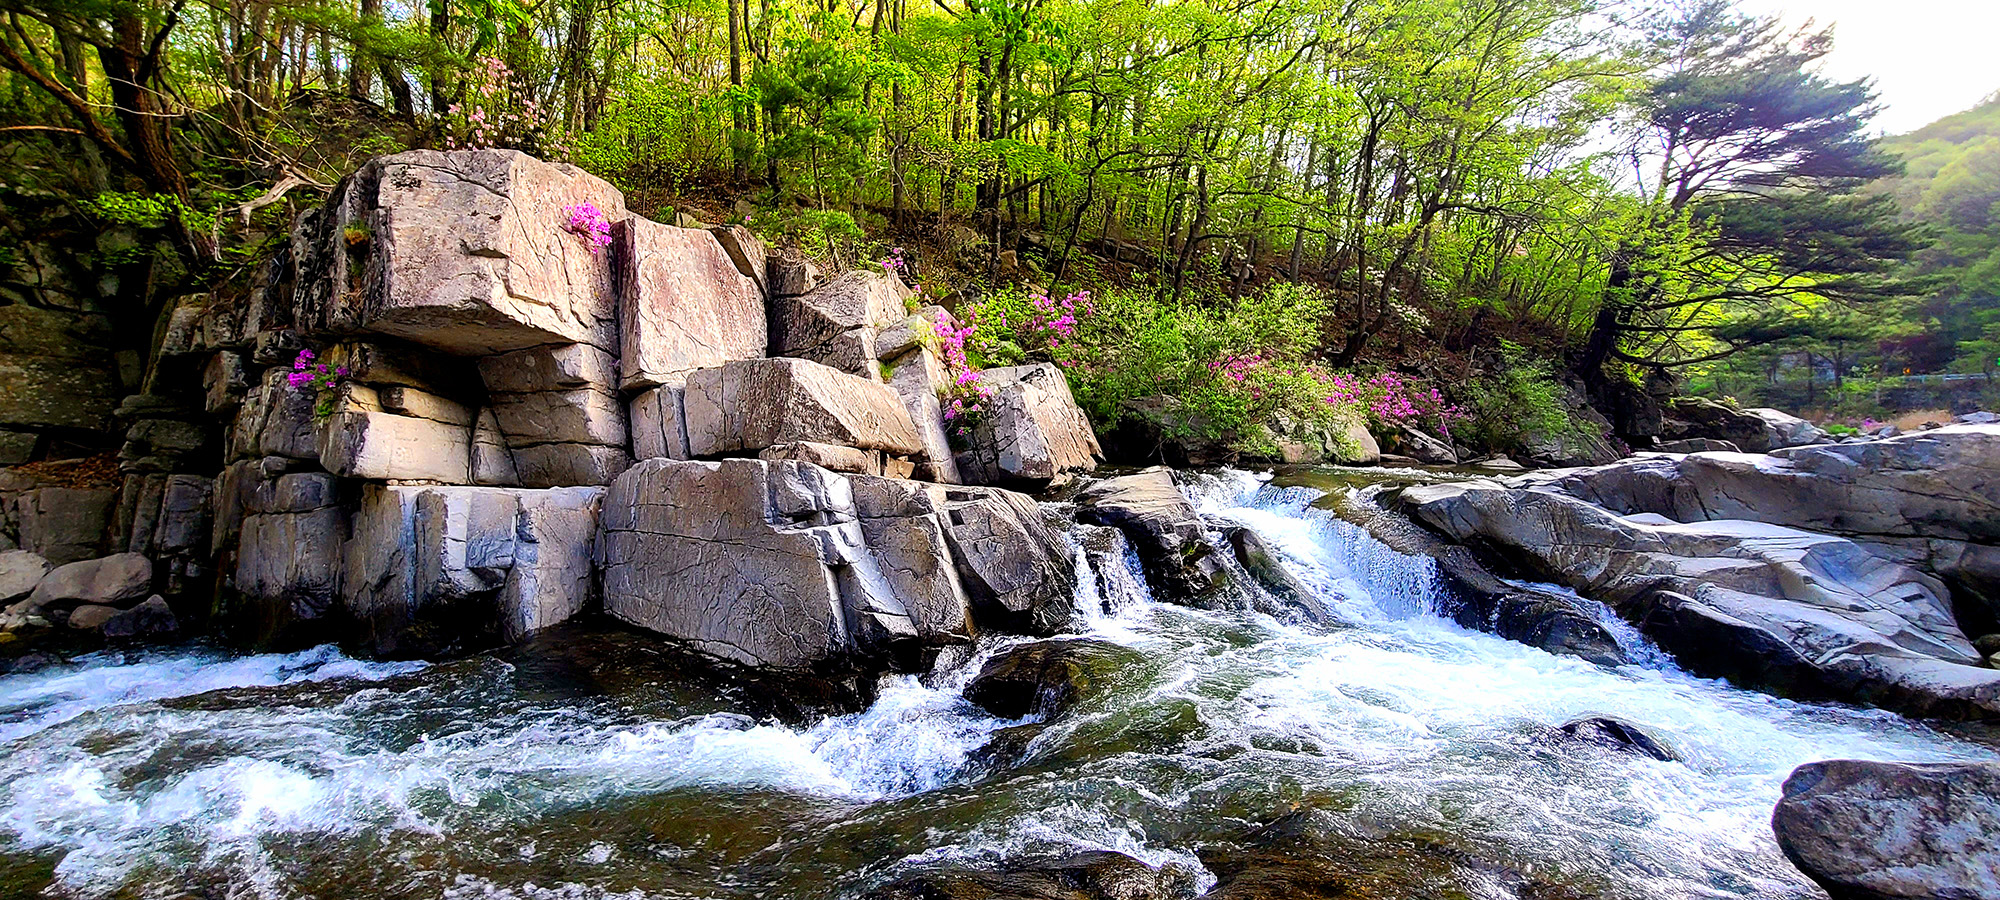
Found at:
(835, 323)
(464, 251)
(1894, 831)
(429, 570)
(1032, 435)
(746, 406)
(787, 565)
(1802, 614)
(683, 303)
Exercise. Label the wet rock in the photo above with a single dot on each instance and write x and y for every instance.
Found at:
(1802, 614)
(684, 302)
(756, 562)
(1267, 565)
(287, 555)
(746, 406)
(431, 570)
(1616, 734)
(1046, 679)
(152, 619)
(1894, 831)
(835, 323)
(1016, 567)
(1163, 527)
(465, 252)
(20, 571)
(1031, 434)
(1929, 499)
(1090, 875)
(1307, 854)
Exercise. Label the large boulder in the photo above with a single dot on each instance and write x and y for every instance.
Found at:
(1030, 434)
(1788, 430)
(835, 323)
(1163, 527)
(436, 569)
(465, 251)
(98, 586)
(1802, 614)
(746, 406)
(757, 562)
(20, 571)
(684, 303)
(1695, 417)
(919, 377)
(1018, 569)
(1046, 679)
(1930, 498)
(1894, 831)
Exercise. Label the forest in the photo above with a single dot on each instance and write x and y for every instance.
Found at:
(1480, 212)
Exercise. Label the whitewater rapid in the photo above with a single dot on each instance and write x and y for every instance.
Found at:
(314, 775)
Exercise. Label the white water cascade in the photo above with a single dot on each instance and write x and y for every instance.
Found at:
(157, 773)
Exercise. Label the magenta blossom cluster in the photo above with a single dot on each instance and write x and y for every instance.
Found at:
(894, 263)
(966, 397)
(587, 221)
(1057, 318)
(312, 377)
(1237, 367)
(1395, 401)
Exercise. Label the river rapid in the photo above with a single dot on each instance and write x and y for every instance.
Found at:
(582, 767)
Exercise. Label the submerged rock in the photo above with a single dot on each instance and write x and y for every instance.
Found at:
(1616, 734)
(1163, 527)
(1090, 875)
(1894, 831)
(1264, 563)
(1046, 678)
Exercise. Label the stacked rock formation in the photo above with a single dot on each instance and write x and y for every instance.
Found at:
(468, 477)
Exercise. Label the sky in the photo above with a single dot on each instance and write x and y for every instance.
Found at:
(1929, 58)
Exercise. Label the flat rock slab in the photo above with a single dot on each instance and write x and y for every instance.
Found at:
(749, 405)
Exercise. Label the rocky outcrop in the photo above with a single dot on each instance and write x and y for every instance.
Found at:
(1894, 831)
(397, 432)
(1613, 733)
(464, 252)
(763, 563)
(684, 303)
(784, 564)
(1163, 527)
(433, 570)
(1802, 614)
(1930, 499)
(745, 407)
(835, 323)
(1689, 418)
(96, 588)
(1030, 434)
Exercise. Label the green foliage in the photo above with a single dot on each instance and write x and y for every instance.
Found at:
(1522, 397)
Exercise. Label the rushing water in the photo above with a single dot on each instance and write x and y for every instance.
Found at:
(190, 772)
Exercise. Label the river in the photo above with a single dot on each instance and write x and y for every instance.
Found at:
(583, 767)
